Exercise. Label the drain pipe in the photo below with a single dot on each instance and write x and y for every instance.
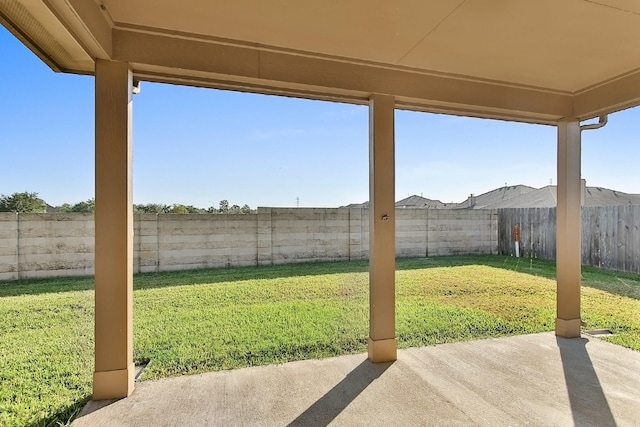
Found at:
(602, 121)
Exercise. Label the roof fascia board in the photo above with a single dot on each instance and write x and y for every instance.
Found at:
(29, 43)
(90, 25)
(41, 30)
(276, 69)
(144, 73)
(614, 95)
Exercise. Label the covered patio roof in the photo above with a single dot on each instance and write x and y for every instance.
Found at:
(518, 60)
(548, 62)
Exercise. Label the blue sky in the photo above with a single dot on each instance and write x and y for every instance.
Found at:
(199, 146)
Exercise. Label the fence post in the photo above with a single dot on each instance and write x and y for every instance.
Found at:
(265, 254)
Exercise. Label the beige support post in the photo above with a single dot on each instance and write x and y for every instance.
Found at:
(114, 369)
(569, 230)
(382, 263)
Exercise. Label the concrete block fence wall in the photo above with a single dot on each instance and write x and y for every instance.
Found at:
(55, 244)
(45, 245)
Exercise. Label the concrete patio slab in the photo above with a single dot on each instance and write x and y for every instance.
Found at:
(523, 380)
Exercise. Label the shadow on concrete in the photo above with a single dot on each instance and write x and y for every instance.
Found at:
(93, 406)
(329, 406)
(589, 405)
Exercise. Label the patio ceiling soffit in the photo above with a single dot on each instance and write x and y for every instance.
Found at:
(69, 34)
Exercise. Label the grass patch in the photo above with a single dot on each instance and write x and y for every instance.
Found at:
(196, 321)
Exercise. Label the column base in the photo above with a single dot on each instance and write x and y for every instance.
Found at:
(383, 350)
(113, 384)
(568, 328)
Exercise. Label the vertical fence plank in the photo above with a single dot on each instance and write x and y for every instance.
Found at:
(610, 235)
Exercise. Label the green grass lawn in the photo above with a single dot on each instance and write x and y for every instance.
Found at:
(196, 321)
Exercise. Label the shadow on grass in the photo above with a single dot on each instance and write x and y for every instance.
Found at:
(620, 283)
(64, 416)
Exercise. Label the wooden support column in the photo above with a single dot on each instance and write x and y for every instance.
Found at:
(114, 369)
(382, 264)
(569, 230)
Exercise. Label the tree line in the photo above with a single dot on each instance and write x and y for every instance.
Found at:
(30, 202)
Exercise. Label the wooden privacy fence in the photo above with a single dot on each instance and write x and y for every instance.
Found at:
(610, 235)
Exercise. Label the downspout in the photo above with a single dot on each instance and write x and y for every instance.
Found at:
(602, 121)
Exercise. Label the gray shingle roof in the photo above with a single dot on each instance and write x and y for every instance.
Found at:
(409, 202)
(419, 202)
(497, 196)
(547, 197)
(519, 196)
(598, 196)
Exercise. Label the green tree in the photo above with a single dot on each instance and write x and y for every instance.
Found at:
(152, 208)
(158, 208)
(22, 202)
(65, 207)
(86, 206)
(179, 209)
(192, 209)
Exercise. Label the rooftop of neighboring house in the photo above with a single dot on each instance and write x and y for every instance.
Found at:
(597, 196)
(519, 196)
(522, 196)
(498, 196)
(419, 202)
(414, 201)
